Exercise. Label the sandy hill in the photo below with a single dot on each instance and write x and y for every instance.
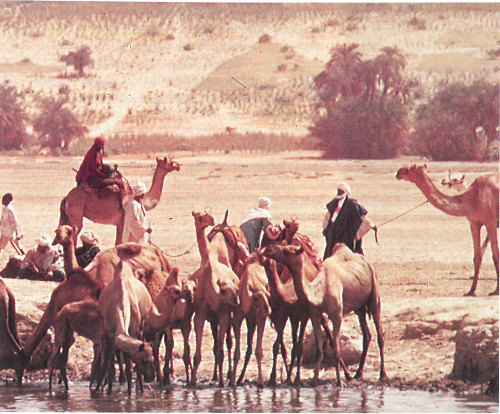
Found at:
(193, 69)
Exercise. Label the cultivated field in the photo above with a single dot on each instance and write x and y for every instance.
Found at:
(423, 259)
(196, 69)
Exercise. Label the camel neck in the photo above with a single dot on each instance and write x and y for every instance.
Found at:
(70, 261)
(202, 239)
(299, 281)
(452, 205)
(153, 196)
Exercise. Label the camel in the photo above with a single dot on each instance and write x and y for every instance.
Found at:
(230, 244)
(255, 309)
(345, 283)
(65, 237)
(148, 262)
(479, 205)
(82, 317)
(215, 298)
(105, 208)
(11, 355)
(457, 184)
(126, 306)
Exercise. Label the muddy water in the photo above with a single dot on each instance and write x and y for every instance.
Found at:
(242, 399)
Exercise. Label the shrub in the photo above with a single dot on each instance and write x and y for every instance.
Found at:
(446, 127)
(79, 59)
(265, 38)
(187, 47)
(12, 118)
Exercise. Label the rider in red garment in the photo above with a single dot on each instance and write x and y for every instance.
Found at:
(91, 168)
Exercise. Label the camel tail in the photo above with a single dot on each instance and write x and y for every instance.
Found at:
(373, 301)
(63, 216)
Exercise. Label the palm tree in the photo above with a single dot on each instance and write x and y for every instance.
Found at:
(12, 117)
(390, 64)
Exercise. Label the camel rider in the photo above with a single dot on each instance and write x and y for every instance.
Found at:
(98, 175)
(136, 227)
(91, 167)
(256, 222)
(88, 250)
(342, 221)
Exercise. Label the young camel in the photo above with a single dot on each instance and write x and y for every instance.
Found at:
(215, 298)
(254, 308)
(479, 205)
(82, 317)
(345, 283)
(11, 354)
(126, 306)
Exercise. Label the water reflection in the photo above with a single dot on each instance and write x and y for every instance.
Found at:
(325, 398)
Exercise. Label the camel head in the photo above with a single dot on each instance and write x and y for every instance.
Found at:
(291, 227)
(188, 289)
(167, 164)
(64, 235)
(261, 299)
(202, 221)
(143, 358)
(413, 174)
(228, 293)
(282, 254)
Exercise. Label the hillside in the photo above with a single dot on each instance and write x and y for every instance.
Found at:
(191, 69)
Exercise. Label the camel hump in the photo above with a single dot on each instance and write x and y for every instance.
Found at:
(128, 250)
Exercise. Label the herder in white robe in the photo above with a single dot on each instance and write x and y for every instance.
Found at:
(136, 227)
(9, 224)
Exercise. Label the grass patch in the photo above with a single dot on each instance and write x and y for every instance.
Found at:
(224, 142)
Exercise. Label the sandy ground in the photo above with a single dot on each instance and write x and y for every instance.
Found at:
(423, 259)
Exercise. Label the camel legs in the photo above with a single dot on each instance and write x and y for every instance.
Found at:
(300, 341)
(478, 257)
(156, 356)
(250, 333)
(492, 235)
(261, 325)
(199, 323)
(213, 326)
(316, 324)
(224, 322)
(186, 358)
(366, 341)
(279, 326)
(294, 324)
(237, 320)
(168, 367)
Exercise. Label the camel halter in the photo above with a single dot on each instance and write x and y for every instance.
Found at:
(403, 214)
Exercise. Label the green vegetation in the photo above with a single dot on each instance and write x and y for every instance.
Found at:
(12, 118)
(79, 59)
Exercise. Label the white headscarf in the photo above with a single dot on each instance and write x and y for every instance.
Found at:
(264, 202)
(89, 237)
(345, 187)
(139, 189)
(43, 240)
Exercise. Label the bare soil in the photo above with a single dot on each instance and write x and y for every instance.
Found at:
(423, 259)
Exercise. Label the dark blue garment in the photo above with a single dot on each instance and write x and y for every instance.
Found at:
(85, 256)
(253, 230)
(345, 227)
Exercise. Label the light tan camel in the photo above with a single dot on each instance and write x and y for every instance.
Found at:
(105, 208)
(230, 244)
(11, 353)
(215, 298)
(83, 318)
(126, 306)
(479, 205)
(345, 283)
(255, 309)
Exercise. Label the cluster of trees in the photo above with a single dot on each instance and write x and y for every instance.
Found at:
(55, 125)
(365, 111)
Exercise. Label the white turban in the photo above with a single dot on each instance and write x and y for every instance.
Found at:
(43, 240)
(346, 188)
(139, 188)
(89, 237)
(264, 202)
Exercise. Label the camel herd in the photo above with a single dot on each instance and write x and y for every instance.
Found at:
(130, 298)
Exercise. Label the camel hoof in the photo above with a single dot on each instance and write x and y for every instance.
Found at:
(271, 383)
(470, 293)
(494, 293)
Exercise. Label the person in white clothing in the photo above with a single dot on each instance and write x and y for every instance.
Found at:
(136, 227)
(10, 228)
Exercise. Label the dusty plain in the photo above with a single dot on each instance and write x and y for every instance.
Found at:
(423, 259)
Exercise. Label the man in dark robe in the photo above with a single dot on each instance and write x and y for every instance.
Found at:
(88, 250)
(342, 221)
(255, 222)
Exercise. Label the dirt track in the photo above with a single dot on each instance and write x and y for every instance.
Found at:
(423, 259)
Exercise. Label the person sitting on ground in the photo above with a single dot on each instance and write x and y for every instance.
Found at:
(44, 262)
(10, 229)
(255, 222)
(136, 228)
(88, 250)
(342, 221)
